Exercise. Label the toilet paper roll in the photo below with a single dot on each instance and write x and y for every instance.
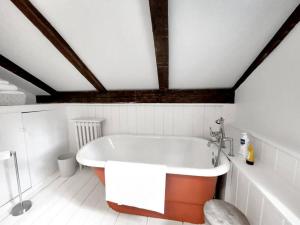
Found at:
(8, 87)
(5, 155)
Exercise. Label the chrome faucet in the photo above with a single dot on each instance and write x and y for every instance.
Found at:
(220, 139)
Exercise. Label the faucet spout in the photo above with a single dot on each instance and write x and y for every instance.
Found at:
(220, 139)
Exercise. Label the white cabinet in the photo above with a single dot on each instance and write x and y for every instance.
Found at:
(12, 138)
(46, 137)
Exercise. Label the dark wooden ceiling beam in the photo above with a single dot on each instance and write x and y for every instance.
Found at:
(56, 39)
(17, 70)
(289, 24)
(159, 18)
(151, 96)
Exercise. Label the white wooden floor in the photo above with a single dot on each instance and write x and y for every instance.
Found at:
(78, 200)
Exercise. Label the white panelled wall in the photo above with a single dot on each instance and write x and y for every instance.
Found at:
(39, 135)
(267, 107)
(268, 193)
(12, 139)
(151, 119)
(257, 191)
(46, 138)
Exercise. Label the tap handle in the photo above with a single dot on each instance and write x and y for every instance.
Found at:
(220, 121)
(212, 133)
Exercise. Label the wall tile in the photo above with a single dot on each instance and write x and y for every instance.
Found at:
(268, 156)
(107, 128)
(149, 120)
(198, 121)
(188, 121)
(141, 120)
(158, 120)
(234, 184)
(132, 120)
(152, 119)
(242, 192)
(286, 223)
(274, 159)
(297, 175)
(254, 206)
(123, 123)
(179, 121)
(285, 166)
(270, 215)
(115, 119)
(99, 111)
(168, 120)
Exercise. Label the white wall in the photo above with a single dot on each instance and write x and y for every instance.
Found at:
(268, 107)
(12, 139)
(46, 138)
(268, 102)
(155, 119)
(270, 187)
(38, 133)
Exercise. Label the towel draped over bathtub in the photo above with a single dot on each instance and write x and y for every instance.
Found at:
(136, 184)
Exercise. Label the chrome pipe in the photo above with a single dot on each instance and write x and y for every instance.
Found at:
(22, 206)
(18, 177)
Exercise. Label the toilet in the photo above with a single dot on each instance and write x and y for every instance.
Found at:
(219, 212)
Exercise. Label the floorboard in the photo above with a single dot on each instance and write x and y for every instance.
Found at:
(78, 200)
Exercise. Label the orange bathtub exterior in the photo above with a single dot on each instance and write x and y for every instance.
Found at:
(184, 199)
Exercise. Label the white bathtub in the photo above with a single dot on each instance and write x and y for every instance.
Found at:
(191, 178)
(182, 155)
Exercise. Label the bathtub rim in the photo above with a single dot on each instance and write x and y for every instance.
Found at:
(223, 168)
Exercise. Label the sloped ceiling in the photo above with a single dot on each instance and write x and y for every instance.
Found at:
(211, 42)
(114, 38)
(23, 44)
(20, 83)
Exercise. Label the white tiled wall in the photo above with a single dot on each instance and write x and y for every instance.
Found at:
(251, 201)
(243, 191)
(155, 119)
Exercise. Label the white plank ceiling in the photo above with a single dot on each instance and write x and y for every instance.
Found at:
(26, 46)
(212, 43)
(113, 37)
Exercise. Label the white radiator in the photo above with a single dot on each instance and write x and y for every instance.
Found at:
(87, 130)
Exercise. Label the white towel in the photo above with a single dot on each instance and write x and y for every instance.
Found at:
(12, 92)
(3, 81)
(5, 155)
(136, 184)
(8, 87)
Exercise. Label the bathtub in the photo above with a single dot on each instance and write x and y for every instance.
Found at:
(191, 178)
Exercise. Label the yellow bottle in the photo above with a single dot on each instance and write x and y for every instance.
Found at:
(250, 155)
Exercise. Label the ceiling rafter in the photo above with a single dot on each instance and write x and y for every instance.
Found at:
(159, 18)
(56, 39)
(17, 70)
(288, 25)
(139, 96)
